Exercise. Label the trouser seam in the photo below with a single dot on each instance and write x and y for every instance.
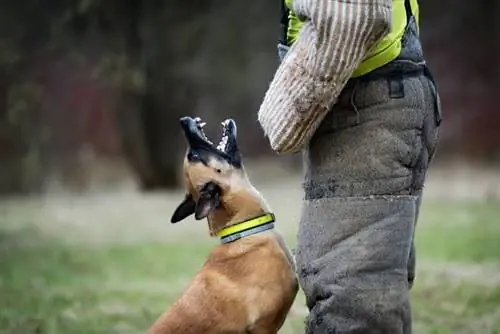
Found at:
(327, 188)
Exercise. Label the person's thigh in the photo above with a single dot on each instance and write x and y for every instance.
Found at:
(364, 171)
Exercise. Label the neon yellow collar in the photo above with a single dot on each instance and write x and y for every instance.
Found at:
(247, 227)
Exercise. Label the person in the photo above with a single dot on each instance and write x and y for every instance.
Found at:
(353, 93)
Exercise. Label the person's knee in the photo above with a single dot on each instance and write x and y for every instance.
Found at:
(356, 232)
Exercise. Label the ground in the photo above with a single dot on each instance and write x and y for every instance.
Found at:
(111, 262)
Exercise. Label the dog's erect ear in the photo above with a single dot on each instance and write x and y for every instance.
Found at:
(185, 209)
(209, 200)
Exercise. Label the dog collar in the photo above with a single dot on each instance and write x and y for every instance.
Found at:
(247, 227)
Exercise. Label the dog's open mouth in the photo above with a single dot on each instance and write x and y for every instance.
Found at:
(222, 146)
(226, 147)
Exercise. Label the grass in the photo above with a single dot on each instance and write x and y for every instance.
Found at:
(112, 263)
(50, 288)
(458, 279)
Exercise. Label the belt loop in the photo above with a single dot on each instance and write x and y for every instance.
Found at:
(396, 87)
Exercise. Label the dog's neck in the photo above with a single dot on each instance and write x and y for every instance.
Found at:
(239, 206)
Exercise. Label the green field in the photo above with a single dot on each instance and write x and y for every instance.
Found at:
(111, 263)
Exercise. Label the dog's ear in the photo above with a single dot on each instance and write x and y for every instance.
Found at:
(185, 209)
(209, 200)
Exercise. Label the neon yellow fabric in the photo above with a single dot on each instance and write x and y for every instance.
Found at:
(294, 24)
(384, 52)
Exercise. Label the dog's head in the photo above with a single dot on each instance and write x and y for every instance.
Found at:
(213, 173)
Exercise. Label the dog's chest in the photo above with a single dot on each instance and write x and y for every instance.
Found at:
(253, 309)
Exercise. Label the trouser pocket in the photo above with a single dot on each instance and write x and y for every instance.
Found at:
(433, 122)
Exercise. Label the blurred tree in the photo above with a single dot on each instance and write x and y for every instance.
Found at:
(142, 68)
(22, 31)
(461, 47)
(162, 60)
(114, 76)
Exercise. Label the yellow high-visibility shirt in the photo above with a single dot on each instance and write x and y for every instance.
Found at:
(384, 51)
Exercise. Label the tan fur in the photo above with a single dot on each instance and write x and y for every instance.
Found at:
(247, 286)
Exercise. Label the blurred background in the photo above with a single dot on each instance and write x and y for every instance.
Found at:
(90, 151)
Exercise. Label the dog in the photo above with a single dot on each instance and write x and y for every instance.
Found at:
(248, 282)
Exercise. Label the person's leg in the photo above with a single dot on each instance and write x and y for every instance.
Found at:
(411, 265)
(431, 133)
(412, 258)
(365, 169)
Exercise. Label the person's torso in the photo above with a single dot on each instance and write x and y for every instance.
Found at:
(402, 42)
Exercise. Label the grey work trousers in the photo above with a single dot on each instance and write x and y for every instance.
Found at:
(364, 172)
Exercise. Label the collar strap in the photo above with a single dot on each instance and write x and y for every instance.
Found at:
(246, 228)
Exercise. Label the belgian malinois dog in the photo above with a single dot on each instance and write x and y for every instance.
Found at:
(248, 283)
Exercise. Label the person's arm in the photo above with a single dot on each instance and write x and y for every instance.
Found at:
(333, 41)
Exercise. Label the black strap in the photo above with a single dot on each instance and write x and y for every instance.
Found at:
(283, 23)
(409, 12)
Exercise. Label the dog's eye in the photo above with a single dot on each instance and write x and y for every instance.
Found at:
(218, 170)
(193, 156)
